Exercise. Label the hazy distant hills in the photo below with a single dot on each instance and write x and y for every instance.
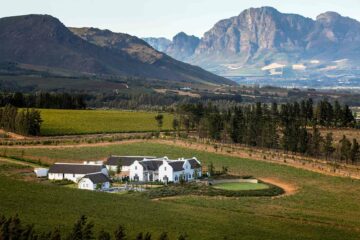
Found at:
(42, 40)
(262, 40)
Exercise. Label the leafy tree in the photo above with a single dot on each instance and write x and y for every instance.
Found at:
(160, 120)
(211, 169)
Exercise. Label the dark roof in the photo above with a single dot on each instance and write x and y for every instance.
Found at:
(194, 164)
(124, 160)
(97, 177)
(177, 166)
(75, 168)
(151, 165)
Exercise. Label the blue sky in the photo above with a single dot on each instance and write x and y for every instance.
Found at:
(164, 17)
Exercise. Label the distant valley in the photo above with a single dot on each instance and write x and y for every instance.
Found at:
(266, 47)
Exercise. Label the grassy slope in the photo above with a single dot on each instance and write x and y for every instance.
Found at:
(61, 122)
(324, 208)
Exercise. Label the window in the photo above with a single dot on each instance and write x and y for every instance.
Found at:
(135, 167)
(176, 178)
(165, 168)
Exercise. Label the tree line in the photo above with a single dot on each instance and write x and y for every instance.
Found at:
(44, 100)
(156, 101)
(293, 127)
(13, 229)
(25, 122)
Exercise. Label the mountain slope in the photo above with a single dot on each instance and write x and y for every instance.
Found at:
(259, 37)
(183, 46)
(44, 41)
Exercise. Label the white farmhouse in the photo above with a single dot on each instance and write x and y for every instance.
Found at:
(146, 170)
(113, 162)
(165, 170)
(74, 171)
(94, 181)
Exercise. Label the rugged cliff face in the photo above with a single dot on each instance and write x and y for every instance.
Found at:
(262, 36)
(183, 46)
(256, 30)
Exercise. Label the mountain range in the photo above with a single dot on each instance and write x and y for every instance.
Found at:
(38, 41)
(261, 40)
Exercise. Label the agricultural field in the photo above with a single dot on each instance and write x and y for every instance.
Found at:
(69, 122)
(320, 207)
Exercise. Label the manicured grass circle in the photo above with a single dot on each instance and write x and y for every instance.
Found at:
(237, 186)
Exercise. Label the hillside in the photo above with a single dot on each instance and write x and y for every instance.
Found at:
(259, 37)
(42, 40)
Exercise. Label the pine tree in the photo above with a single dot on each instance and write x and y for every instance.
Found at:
(82, 230)
(55, 235)
(120, 233)
(182, 237)
(139, 236)
(345, 149)
(328, 148)
(147, 236)
(316, 141)
(337, 114)
(164, 236)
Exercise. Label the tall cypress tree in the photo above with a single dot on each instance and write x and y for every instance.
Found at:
(355, 152)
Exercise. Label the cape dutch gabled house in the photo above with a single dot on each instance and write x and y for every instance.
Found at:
(165, 170)
(113, 162)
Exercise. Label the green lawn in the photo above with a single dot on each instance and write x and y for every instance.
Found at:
(323, 208)
(236, 186)
(64, 122)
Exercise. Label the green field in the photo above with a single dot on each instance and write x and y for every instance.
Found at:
(323, 208)
(236, 186)
(65, 122)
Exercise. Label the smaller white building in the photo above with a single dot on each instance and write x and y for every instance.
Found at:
(94, 181)
(74, 171)
(41, 172)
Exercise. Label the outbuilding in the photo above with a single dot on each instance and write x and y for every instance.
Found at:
(74, 171)
(94, 181)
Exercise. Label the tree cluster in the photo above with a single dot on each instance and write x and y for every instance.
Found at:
(44, 100)
(25, 122)
(292, 127)
(13, 229)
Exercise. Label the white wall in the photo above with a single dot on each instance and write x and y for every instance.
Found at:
(68, 176)
(85, 183)
(166, 170)
(136, 169)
